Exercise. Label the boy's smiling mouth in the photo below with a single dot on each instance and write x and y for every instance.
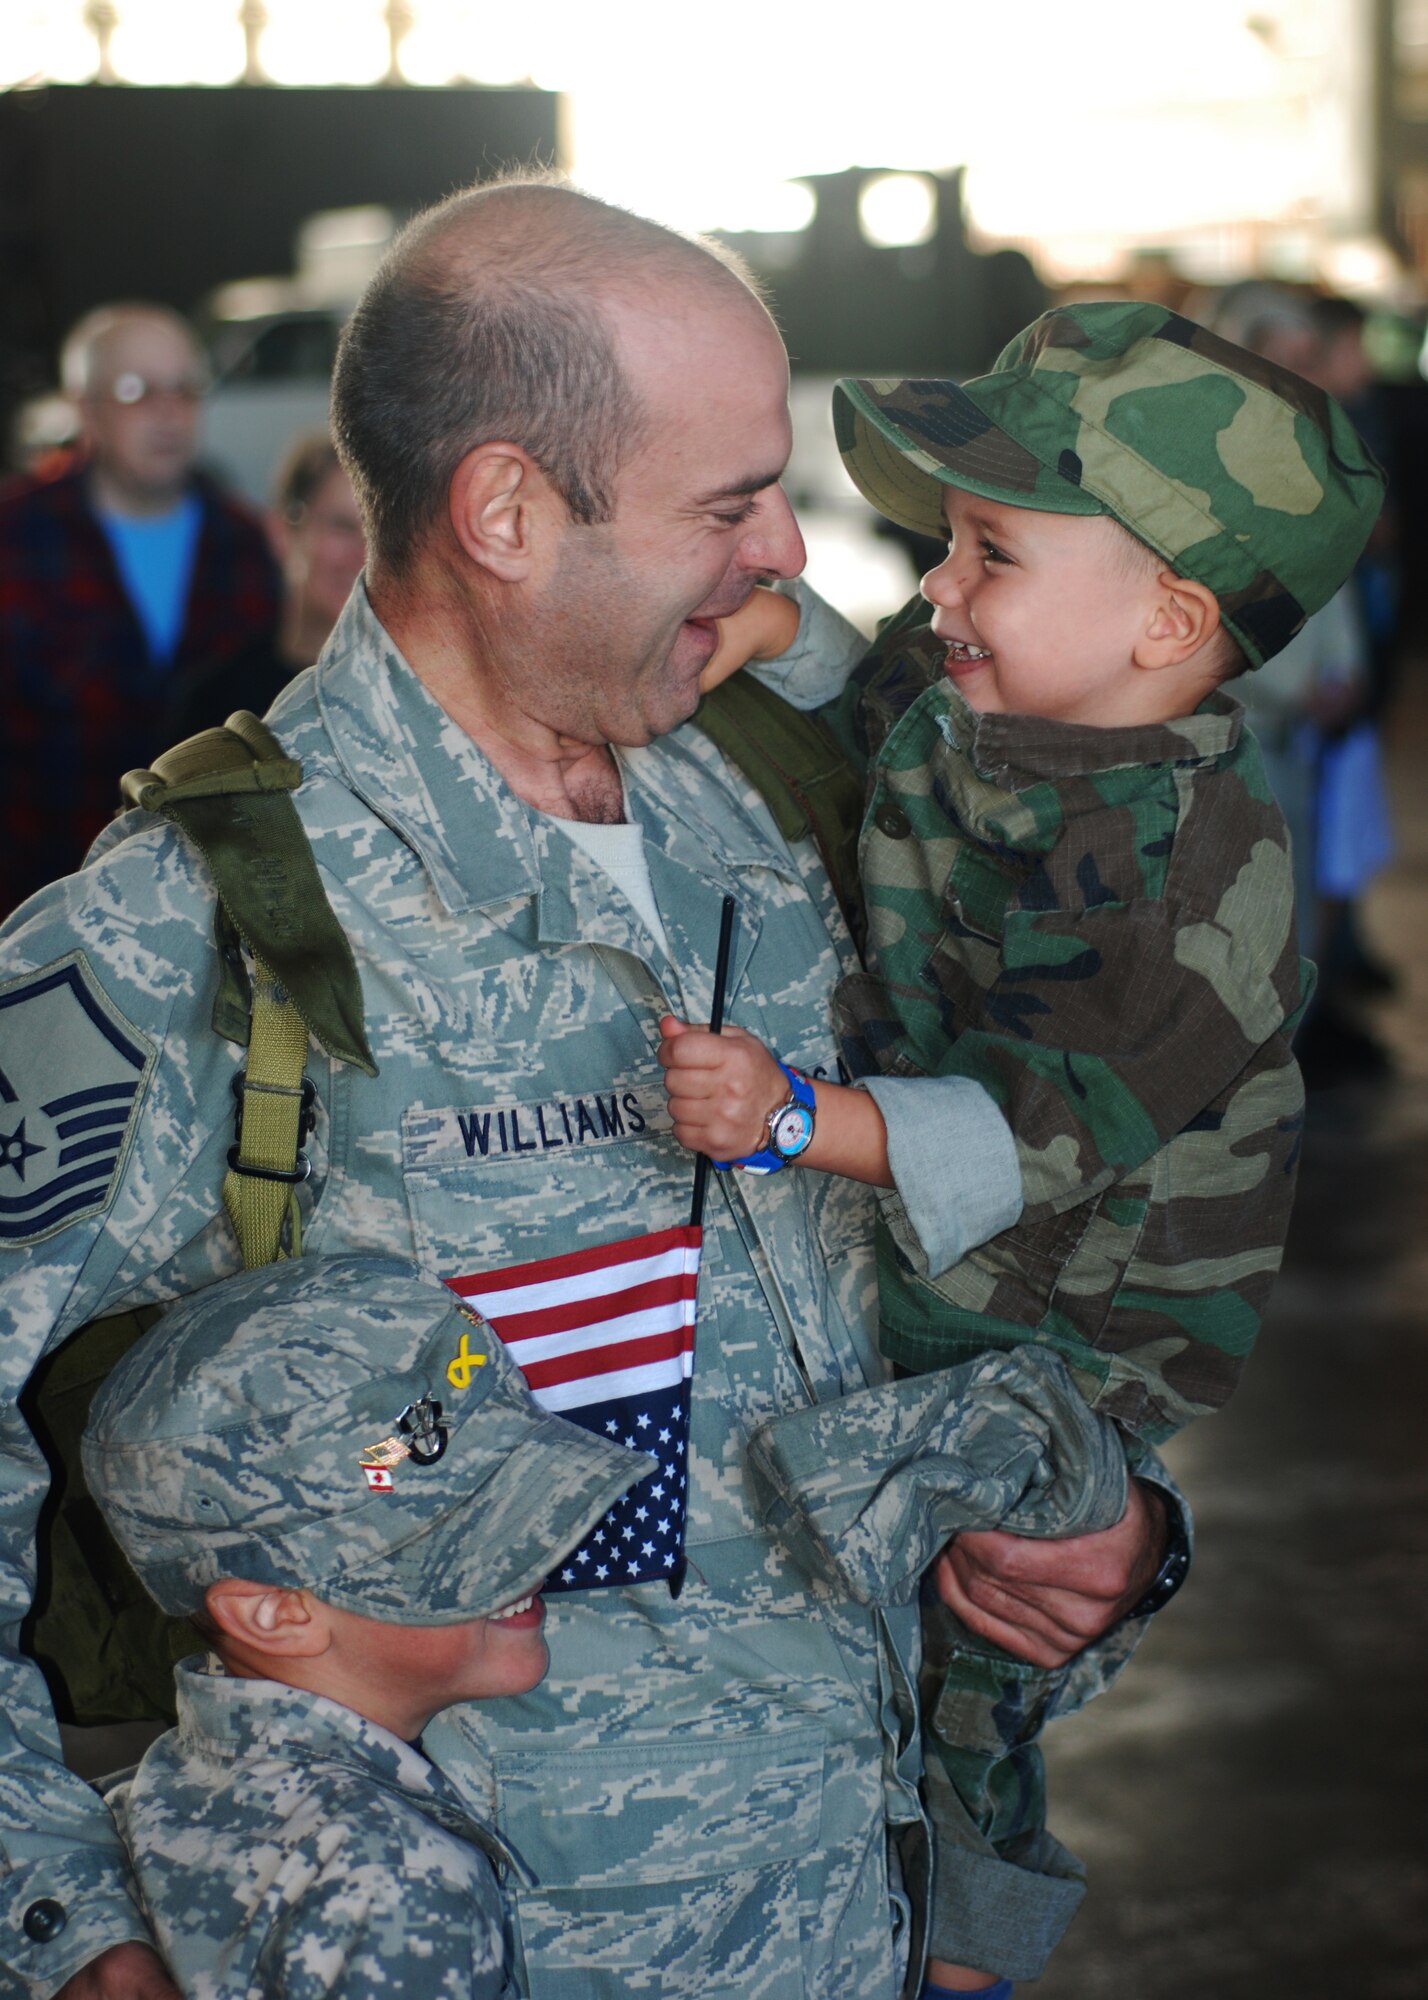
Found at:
(525, 1611)
(961, 654)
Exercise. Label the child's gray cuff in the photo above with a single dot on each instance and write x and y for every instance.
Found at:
(953, 1160)
(824, 652)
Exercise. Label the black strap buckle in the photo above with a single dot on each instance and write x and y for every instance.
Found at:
(301, 1167)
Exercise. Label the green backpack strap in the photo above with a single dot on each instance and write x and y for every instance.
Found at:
(106, 1649)
(792, 761)
(230, 790)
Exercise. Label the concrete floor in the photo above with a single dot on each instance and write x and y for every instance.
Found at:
(1252, 1799)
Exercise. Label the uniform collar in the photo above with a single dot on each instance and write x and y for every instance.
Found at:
(421, 773)
(223, 1715)
(222, 1718)
(1017, 750)
(417, 769)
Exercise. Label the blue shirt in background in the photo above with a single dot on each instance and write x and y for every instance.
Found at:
(155, 555)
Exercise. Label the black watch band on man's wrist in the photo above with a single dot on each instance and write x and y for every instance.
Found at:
(1174, 1568)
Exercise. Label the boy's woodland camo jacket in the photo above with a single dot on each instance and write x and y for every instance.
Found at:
(1098, 926)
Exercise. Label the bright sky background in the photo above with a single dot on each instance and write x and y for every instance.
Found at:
(1081, 125)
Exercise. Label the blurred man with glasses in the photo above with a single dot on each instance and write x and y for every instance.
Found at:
(120, 580)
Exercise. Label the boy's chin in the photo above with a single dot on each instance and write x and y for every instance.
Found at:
(524, 1661)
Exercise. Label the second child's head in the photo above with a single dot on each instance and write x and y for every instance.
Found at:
(1135, 510)
(333, 1468)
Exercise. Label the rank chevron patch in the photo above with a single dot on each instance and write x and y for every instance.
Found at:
(72, 1072)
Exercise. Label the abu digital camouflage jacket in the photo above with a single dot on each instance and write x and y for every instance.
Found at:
(282, 1843)
(1097, 925)
(704, 1787)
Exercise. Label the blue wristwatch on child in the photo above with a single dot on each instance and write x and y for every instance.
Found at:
(790, 1129)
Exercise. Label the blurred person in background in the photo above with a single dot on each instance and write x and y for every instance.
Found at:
(316, 533)
(1354, 834)
(42, 440)
(119, 578)
(1267, 318)
(1310, 706)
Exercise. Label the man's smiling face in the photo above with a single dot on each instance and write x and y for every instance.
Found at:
(624, 626)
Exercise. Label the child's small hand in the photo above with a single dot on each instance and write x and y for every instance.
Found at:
(721, 1088)
(759, 630)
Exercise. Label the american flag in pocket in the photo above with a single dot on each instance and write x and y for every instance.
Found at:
(605, 1338)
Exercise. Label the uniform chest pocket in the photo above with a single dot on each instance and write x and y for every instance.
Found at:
(511, 1179)
(509, 1182)
(668, 1867)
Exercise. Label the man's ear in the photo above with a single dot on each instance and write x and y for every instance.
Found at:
(498, 502)
(267, 1618)
(1184, 616)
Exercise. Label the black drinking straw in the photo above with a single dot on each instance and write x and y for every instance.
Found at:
(701, 1165)
(716, 1022)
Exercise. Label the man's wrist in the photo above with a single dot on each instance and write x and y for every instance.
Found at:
(1173, 1565)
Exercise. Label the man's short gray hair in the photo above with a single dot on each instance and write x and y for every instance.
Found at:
(485, 323)
(84, 344)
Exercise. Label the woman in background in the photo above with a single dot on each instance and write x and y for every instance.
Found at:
(316, 533)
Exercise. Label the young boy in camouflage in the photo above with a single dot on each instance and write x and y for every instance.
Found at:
(1078, 897)
(333, 1467)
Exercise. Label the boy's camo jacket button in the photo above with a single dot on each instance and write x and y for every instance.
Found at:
(892, 821)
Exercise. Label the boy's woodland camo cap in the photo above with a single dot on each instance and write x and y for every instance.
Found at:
(1242, 475)
(282, 1427)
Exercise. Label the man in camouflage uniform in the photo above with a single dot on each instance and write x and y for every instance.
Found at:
(1079, 899)
(566, 428)
(289, 1836)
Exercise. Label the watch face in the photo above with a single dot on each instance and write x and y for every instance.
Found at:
(790, 1131)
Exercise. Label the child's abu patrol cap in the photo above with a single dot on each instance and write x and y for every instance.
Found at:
(1242, 475)
(345, 1425)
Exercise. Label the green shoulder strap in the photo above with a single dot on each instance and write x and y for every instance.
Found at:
(792, 761)
(230, 790)
(106, 1649)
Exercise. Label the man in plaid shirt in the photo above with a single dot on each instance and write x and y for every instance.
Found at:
(118, 580)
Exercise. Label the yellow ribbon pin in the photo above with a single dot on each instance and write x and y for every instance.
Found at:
(458, 1369)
